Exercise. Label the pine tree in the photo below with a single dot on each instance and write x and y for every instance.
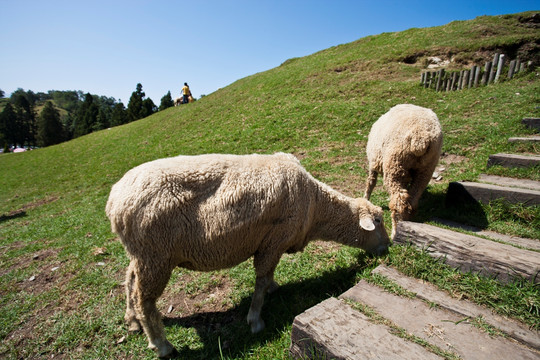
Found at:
(119, 115)
(25, 129)
(49, 127)
(148, 108)
(166, 101)
(135, 104)
(8, 126)
(86, 117)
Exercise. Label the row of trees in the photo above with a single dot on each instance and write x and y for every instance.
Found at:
(42, 119)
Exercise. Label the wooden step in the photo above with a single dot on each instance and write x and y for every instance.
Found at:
(524, 139)
(463, 191)
(470, 253)
(511, 182)
(531, 244)
(337, 329)
(513, 160)
(334, 330)
(447, 330)
(533, 123)
(431, 293)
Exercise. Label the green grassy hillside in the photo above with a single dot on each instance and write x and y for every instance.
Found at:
(62, 268)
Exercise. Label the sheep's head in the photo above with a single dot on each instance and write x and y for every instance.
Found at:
(375, 240)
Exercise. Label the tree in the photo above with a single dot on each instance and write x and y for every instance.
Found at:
(25, 129)
(148, 108)
(119, 115)
(2, 93)
(166, 101)
(49, 127)
(86, 117)
(135, 104)
(8, 125)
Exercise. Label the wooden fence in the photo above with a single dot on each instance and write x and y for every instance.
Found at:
(492, 72)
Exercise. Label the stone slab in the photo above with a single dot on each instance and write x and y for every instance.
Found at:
(471, 253)
(445, 329)
(334, 330)
(429, 292)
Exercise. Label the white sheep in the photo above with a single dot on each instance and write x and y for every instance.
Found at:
(404, 145)
(210, 212)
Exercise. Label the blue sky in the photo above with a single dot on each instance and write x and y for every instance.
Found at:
(107, 47)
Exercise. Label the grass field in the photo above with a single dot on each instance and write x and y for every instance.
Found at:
(61, 268)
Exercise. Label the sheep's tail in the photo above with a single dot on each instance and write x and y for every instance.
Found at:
(420, 146)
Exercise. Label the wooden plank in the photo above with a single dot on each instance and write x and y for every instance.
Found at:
(438, 326)
(512, 182)
(524, 139)
(466, 191)
(333, 330)
(431, 293)
(533, 123)
(531, 244)
(471, 253)
(513, 160)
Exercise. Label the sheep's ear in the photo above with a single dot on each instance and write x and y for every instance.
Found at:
(367, 224)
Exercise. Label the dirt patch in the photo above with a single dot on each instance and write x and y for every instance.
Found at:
(215, 297)
(449, 159)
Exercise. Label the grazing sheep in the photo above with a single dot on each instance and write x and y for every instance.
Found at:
(211, 212)
(404, 145)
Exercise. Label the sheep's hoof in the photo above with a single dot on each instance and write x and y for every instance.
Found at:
(273, 287)
(256, 325)
(134, 327)
(165, 350)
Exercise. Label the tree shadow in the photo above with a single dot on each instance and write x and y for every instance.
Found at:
(227, 332)
(12, 215)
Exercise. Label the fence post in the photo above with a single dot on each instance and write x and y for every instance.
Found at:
(454, 79)
(426, 79)
(499, 67)
(487, 71)
(493, 68)
(440, 75)
(511, 69)
(464, 79)
(471, 77)
(476, 75)
(422, 78)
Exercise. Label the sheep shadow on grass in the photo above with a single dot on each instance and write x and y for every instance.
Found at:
(434, 206)
(228, 332)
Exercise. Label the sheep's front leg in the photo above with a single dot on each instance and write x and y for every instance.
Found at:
(264, 282)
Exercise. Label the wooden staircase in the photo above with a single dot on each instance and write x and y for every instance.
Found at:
(365, 321)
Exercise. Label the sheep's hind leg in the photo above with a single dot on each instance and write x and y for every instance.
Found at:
(418, 184)
(149, 286)
(371, 181)
(130, 317)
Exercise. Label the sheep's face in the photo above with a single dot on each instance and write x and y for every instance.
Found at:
(374, 239)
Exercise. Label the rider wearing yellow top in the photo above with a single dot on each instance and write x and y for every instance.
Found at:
(186, 93)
